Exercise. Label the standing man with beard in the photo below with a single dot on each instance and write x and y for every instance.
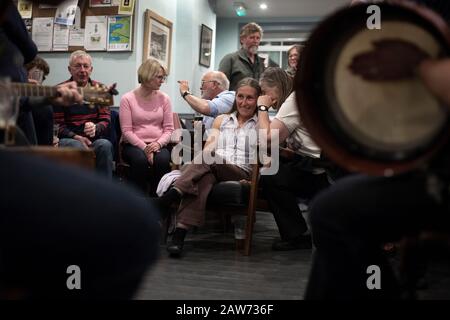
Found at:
(216, 99)
(244, 62)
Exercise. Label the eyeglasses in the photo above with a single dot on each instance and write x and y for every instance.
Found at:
(79, 66)
(161, 78)
(204, 81)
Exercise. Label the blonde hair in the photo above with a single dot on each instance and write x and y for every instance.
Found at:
(149, 69)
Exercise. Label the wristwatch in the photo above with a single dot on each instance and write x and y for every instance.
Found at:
(187, 92)
(263, 108)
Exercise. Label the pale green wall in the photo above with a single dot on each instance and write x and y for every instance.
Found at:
(186, 16)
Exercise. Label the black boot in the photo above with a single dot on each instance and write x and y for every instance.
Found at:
(175, 246)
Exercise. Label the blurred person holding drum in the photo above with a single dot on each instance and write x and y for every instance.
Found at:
(354, 218)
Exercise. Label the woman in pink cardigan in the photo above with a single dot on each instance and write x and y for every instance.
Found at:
(146, 121)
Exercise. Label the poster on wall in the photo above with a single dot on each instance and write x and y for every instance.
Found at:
(95, 33)
(60, 37)
(126, 7)
(76, 37)
(119, 33)
(42, 33)
(25, 8)
(65, 13)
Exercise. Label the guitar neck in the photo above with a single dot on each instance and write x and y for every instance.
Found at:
(95, 95)
(32, 90)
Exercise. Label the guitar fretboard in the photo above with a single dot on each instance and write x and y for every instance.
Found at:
(32, 90)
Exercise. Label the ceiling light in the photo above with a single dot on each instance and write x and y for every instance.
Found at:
(241, 10)
(263, 6)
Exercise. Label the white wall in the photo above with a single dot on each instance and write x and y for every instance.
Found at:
(191, 14)
(186, 16)
(227, 38)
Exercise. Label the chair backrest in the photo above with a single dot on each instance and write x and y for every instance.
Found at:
(174, 139)
(176, 135)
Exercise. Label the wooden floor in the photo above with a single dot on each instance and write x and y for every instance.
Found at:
(211, 269)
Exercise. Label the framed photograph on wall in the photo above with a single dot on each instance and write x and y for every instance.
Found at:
(157, 39)
(206, 35)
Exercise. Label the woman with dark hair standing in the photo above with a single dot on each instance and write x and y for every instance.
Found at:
(293, 55)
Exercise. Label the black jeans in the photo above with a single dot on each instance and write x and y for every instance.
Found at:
(43, 123)
(139, 167)
(52, 217)
(293, 180)
(351, 221)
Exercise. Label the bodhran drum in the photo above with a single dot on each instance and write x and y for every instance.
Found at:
(380, 127)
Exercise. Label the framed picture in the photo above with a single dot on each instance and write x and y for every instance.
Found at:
(206, 35)
(119, 33)
(157, 39)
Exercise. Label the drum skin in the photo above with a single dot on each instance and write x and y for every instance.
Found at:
(379, 128)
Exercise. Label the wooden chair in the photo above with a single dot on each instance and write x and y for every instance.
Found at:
(236, 198)
(71, 156)
(123, 167)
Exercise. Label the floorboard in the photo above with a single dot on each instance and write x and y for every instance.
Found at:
(211, 269)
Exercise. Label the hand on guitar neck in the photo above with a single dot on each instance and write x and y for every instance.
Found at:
(67, 94)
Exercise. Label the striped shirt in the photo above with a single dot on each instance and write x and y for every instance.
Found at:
(71, 119)
(236, 145)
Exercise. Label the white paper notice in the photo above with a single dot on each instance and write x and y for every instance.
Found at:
(42, 33)
(77, 22)
(95, 33)
(65, 13)
(76, 37)
(60, 37)
(25, 8)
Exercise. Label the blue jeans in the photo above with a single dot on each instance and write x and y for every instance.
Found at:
(103, 153)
